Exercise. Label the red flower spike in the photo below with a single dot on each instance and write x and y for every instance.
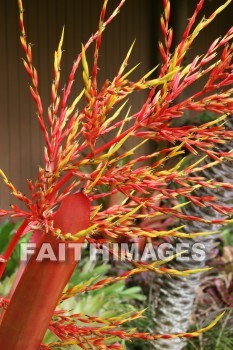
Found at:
(77, 156)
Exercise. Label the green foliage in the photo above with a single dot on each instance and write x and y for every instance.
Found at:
(227, 235)
(6, 284)
(219, 338)
(143, 324)
(109, 301)
(7, 230)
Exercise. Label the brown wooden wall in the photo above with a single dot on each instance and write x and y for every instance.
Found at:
(20, 139)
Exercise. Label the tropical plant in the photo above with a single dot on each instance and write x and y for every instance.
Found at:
(81, 170)
(107, 302)
(214, 295)
(221, 339)
(7, 231)
(178, 292)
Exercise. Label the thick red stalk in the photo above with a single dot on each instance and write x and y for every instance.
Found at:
(35, 298)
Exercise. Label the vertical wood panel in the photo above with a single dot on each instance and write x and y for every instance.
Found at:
(24, 117)
(4, 121)
(14, 144)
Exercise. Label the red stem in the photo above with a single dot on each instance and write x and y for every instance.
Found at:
(37, 294)
(12, 245)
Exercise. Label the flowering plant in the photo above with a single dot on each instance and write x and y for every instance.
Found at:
(81, 170)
